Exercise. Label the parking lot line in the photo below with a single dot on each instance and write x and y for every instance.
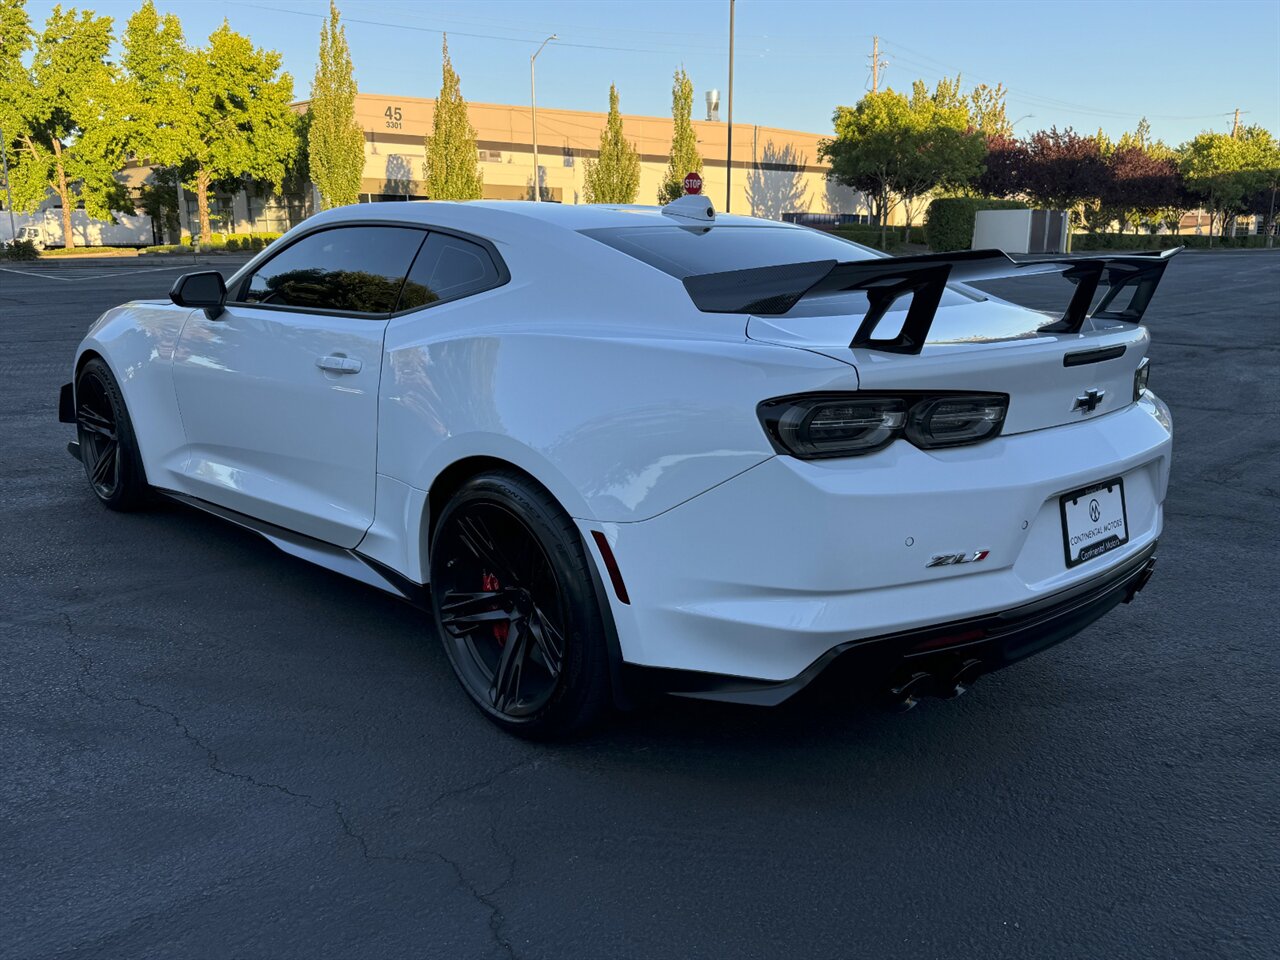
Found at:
(93, 276)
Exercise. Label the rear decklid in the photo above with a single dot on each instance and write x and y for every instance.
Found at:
(906, 325)
(993, 348)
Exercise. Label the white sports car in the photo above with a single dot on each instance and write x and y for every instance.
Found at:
(712, 454)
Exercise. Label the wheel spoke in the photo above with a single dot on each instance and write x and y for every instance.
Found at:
(103, 467)
(95, 423)
(463, 612)
(549, 641)
(461, 604)
(504, 691)
(475, 535)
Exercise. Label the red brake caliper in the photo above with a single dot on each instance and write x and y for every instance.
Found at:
(489, 584)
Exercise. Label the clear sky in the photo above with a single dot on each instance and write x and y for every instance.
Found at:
(1185, 64)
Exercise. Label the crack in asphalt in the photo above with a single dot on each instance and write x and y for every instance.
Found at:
(485, 898)
(496, 917)
(86, 662)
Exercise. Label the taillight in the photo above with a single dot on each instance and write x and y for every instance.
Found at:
(950, 421)
(821, 426)
(1140, 378)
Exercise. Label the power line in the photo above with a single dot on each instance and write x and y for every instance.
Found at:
(1040, 99)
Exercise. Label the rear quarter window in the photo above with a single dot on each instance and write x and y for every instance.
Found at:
(447, 268)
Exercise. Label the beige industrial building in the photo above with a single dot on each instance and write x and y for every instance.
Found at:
(774, 171)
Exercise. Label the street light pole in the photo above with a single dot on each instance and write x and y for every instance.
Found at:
(728, 160)
(4, 158)
(533, 103)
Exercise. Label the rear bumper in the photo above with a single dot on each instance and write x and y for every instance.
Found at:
(771, 571)
(940, 660)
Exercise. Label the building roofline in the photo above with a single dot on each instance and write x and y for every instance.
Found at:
(582, 113)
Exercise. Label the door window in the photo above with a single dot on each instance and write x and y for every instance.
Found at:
(352, 269)
(447, 268)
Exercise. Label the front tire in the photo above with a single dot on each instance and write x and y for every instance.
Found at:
(516, 609)
(108, 446)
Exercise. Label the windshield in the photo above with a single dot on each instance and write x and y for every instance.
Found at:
(687, 251)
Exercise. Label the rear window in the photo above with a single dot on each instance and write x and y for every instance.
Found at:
(695, 250)
(689, 251)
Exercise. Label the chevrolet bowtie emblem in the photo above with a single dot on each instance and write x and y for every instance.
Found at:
(1089, 400)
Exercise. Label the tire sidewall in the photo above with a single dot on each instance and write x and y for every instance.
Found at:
(131, 486)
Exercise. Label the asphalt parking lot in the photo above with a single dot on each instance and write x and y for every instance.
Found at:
(211, 749)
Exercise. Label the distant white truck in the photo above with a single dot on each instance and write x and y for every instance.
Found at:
(133, 230)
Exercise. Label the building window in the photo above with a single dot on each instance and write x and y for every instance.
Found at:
(490, 156)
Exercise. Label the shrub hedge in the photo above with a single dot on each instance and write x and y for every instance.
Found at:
(869, 235)
(1161, 241)
(233, 242)
(948, 223)
(20, 250)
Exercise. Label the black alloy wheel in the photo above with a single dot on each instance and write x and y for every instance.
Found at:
(516, 609)
(108, 449)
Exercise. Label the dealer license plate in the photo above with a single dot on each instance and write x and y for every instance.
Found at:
(1094, 521)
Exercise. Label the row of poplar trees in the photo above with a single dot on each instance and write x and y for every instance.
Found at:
(212, 116)
(452, 170)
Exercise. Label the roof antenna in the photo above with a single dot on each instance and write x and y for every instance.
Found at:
(691, 207)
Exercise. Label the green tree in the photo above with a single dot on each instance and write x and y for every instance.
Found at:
(335, 141)
(15, 41)
(1223, 170)
(685, 158)
(987, 111)
(241, 124)
(452, 167)
(983, 106)
(216, 114)
(71, 136)
(155, 65)
(615, 176)
(893, 149)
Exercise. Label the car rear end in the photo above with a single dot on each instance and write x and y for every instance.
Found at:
(982, 495)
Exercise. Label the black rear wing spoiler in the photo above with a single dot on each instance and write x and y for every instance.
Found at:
(775, 290)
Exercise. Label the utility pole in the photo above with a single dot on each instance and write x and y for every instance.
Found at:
(876, 64)
(728, 160)
(533, 105)
(1271, 220)
(1235, 124)
(4, 157)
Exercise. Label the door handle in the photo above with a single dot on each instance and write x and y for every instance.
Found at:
(338, 364)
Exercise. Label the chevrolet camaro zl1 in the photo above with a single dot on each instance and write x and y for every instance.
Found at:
(612, 444)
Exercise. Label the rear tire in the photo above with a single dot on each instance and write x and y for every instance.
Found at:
(108, 445)
(516, 608)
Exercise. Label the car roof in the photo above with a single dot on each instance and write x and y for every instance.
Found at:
(483, 214)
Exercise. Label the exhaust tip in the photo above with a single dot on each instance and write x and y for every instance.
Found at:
(1140, 581)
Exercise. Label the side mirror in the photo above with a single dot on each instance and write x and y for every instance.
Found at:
(204, 289)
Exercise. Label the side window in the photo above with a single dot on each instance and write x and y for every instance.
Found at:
(447, 268)
(356, 269)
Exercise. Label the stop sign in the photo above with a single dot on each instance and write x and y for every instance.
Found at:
(693, 183)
